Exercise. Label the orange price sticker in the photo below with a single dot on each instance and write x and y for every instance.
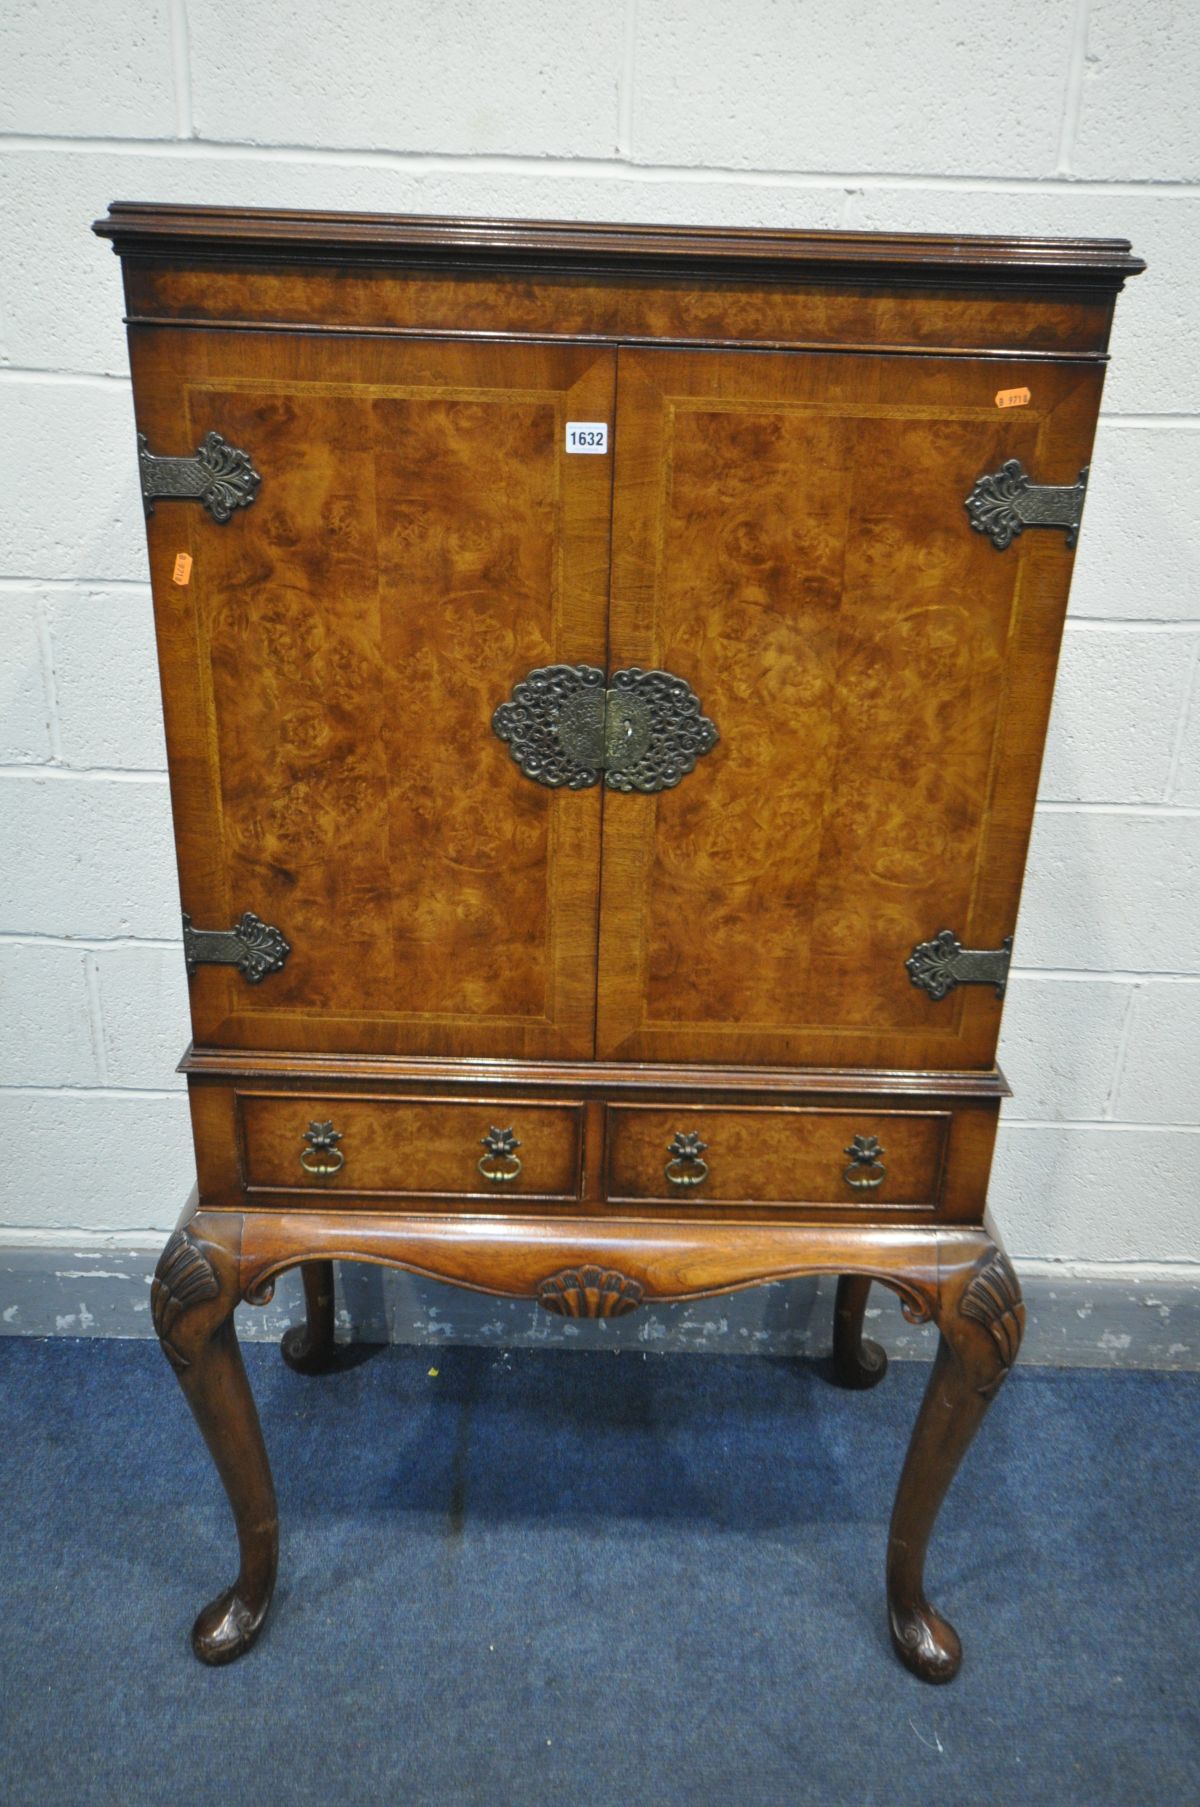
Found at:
(1012, 398)
(183, 568)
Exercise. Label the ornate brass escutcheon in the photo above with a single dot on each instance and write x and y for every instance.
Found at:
(642, 732)
(686, 1167)
(321, 1156)
(500, 1163)
(866, 1170)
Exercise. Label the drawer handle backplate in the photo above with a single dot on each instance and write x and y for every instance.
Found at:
(322, 1155)
(500, 1164)
(686, 1168)
(866, 1169)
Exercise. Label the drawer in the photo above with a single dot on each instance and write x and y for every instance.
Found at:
(768, 1155)
(410, 1147)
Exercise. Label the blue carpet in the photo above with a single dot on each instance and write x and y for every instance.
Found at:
(550, 1576)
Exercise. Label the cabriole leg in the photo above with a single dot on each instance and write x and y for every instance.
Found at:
(857, 1361)
(981, 1317)
(308, 1347)
(193, 1298)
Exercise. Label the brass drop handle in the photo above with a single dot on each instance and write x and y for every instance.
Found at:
(322, 1156)
(866, 1170)
(500, 1164)
(686, 1167)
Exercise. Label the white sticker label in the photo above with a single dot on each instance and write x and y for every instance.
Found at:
(587, 436)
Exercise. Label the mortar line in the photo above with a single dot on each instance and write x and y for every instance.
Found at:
(88, 943)
(1191, 701)
(181, 68)
(18, 584)
(465, 162)
(1119, 975)
(94, 774)
(1131, 1272)
(1073, 96)
(49, 683)
(108, 1092)
(96, 1016)
(66, 1238)
(1129, 421)
(1112, 1126)
(1129, 624)
(625, 82)
(1118, 1073)
(1167, 812)
(58, 378)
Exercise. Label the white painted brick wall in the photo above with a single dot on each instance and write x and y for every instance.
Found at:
(536, 78)
(102, 662)
(101, 70)
(1073, 116)
(760, 85)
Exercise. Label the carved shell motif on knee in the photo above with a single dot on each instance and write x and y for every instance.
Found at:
(993, 1299)
(184, 1277)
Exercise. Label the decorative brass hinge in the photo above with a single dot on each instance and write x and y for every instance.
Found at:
(217, 475)
(1005, 502)
(643, 732)
(254, 947)
(938, 966)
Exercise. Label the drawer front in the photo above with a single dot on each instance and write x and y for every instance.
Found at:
(756, 1156)
(414, 1147)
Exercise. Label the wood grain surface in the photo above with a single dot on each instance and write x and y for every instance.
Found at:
(412, 1147)
(790, 537)
(758, 1156)
(330, 672)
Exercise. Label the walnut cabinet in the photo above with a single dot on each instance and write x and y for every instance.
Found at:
(606, 671)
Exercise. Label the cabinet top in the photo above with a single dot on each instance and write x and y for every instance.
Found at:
(254, 234)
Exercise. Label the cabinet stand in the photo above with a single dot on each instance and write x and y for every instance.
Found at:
(959, 1278)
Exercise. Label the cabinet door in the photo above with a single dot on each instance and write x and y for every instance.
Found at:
(790, 537)
(418, 542)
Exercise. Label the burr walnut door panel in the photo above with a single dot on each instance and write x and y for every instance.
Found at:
(419, 541)
(789, 535)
